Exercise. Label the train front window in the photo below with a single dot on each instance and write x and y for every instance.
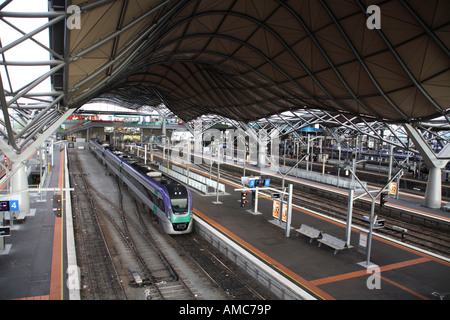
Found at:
(179, 205)
(178, 198)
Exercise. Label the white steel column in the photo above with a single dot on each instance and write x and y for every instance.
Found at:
(19, 184)
(348, 232)
(433, 194)
(163, 132)
(289, 212)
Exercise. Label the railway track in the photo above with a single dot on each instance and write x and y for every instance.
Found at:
(225, 274)
(147, 265)
(160, 277)
(426, 238)
(129, 231)
(99, 275)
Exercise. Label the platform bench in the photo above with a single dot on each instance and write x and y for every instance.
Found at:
(333, 242)
(309, 232)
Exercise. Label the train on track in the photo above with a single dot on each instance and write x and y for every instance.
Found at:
(169, 200)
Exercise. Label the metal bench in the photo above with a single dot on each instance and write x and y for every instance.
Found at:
(333, 242)
(309, 232)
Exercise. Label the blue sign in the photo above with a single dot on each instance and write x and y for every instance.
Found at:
(253, 183)
(13, 205)
(311, 129)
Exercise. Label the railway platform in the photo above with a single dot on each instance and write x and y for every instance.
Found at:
(34, 264)
(401, 272)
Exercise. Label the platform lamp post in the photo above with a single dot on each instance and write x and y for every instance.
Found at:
(219, 147)
(145, 154)
(366, 263)
(351, 193)
(284, 175)
(348, 233)
(289, 211)
(188, 158)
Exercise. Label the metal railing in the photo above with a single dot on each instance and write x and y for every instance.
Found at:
(336, 181)
(197, 181)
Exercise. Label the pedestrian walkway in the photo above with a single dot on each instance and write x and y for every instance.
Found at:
(34, 268)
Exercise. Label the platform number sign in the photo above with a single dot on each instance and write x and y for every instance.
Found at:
(13, 205)
(259, 182)
(9, 205)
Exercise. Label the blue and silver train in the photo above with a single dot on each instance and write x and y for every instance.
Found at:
(169, 200)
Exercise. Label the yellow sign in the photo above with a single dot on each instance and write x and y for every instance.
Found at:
(393, 188)
(276, 210)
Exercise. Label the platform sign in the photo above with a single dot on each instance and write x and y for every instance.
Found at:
(362, 245)
(246, 180)
(276, 210)
(13, 205)
(9, 205)
(393, 188)
(258, 182)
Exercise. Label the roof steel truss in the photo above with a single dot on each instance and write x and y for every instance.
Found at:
(34, 111)
(187, 56)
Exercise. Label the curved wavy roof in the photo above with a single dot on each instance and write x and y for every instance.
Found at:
(247, 59)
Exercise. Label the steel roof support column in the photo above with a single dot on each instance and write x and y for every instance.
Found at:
(433, 194)
(164, 131)
(19, 185)
(256, 143)
(262, 144)
(19, 178)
